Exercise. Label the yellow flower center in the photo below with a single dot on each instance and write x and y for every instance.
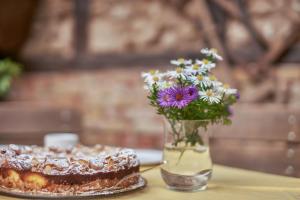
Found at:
(181, 60)
(200, 77)
(195, 67)
(205, 61)
(212, 78)
(178, 70)
(152, 72)
(155, 78)
(209, 93)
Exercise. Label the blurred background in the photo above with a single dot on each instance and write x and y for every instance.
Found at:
(74, 66)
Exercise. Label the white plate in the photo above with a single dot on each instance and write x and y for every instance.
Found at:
(149, 156)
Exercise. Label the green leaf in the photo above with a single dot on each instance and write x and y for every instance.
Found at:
(8, 70)
(4, 85)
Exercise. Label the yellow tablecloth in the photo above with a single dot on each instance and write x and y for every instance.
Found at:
(227, 184)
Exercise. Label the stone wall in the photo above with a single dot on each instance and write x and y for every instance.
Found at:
(52, 30)
(145, 26)
(142, 26)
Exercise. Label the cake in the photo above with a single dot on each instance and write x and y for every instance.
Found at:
(74, 170)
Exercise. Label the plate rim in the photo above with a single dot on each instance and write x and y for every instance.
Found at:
(106, 193)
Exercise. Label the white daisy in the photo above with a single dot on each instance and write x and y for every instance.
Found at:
(150, 74)
(178, 73)
(201, 80)
(210, 96)
(211, 52)
(227, 90)
(195, 69)
(214, 82)
(206, 64)
(164, 84)
(181, 61)
(152, 77)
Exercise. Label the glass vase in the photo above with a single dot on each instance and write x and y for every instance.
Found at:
(187, 163)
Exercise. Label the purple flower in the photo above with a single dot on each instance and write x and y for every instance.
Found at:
(164, 98)
(178, 97)
(192, 92)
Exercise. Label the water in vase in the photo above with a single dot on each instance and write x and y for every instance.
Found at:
(186, 167)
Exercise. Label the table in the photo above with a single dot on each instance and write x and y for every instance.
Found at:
(227, 184)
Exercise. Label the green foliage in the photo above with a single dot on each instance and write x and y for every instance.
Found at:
(8, 70)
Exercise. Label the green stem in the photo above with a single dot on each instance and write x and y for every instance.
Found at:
(181, 154)
(191, 138)
(176, 133)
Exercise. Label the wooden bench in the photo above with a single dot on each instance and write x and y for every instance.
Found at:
(262, 137)
(28, 122)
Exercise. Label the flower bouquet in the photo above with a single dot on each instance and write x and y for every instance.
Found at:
(191, 98)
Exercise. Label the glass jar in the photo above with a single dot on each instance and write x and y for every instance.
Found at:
(187, 163)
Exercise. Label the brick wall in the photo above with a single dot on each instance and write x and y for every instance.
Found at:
(113, 103)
